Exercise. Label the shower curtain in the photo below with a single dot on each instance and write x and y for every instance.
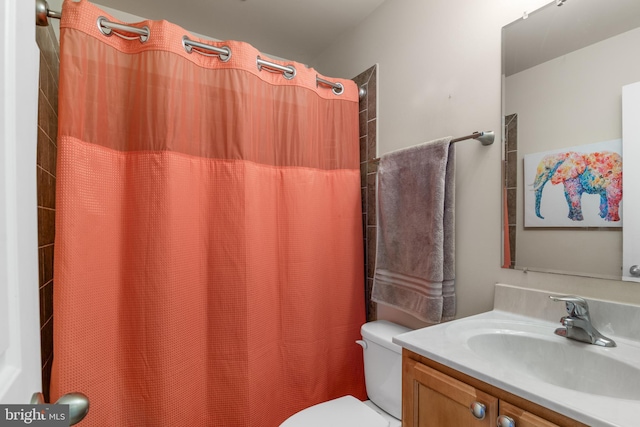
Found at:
(208, 257)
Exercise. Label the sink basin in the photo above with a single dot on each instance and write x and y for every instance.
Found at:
(561, 362)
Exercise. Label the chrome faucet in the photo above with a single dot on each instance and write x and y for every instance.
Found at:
(577, 325)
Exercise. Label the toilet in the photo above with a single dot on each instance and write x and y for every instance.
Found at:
(383, 378)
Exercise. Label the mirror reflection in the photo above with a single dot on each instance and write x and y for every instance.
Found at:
(563, 71)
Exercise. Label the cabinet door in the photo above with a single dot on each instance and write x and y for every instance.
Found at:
(523, 418)
(433, 399)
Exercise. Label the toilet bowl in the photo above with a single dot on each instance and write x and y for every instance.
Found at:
(383, 378)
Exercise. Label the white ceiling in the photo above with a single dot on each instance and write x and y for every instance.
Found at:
(298, 30)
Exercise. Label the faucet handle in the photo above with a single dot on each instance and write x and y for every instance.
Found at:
(566, 321)
(576, 306)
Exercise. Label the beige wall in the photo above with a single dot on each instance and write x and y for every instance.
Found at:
(439, 74)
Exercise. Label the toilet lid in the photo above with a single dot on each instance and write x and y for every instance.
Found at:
(345, 411)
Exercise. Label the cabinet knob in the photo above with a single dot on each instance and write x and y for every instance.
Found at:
(504, 421)
(634, 271)
(478, 410)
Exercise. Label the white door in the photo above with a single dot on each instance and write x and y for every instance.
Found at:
(19, 311)
(630, 180)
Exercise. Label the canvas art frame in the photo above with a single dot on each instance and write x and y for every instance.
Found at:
(578, 186)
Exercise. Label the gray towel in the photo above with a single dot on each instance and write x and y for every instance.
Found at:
(415, 264)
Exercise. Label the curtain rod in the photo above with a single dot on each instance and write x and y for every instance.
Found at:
(106, 27)
(485, 138)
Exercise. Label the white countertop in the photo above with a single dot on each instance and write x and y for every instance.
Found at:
(447, 344)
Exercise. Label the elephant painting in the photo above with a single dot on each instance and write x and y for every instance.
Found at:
(591, 173)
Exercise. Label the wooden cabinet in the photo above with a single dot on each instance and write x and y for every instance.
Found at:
(434, 395)
(523, 418)
(433, 399)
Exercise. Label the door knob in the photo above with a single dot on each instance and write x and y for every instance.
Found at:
(78, 405)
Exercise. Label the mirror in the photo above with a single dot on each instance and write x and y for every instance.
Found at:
(563, 68)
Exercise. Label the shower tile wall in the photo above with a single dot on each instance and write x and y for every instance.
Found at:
(511, 178)
(46, 182)
(368, 170)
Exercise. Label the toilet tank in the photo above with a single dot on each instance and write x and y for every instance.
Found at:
(383, 365)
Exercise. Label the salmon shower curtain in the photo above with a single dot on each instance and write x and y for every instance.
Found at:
(208, 257)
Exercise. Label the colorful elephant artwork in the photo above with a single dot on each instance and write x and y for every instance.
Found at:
(597, 172)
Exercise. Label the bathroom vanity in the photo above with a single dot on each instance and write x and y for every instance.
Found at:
(506, 367)
(436, 395)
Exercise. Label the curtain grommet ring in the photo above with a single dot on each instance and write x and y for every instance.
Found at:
(222, 53)
(289, 75)
(187, 47)
(106, 31)
(106, 27)
(145, 37)
(288, 72)
(224, 57)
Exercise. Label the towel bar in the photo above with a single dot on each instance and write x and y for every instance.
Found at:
(485, 138)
